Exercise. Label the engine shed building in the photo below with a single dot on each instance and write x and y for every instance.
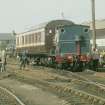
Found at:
(7, 41)
(100, 33)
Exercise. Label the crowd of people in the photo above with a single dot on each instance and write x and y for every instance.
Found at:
(98, 59)
(102, 58)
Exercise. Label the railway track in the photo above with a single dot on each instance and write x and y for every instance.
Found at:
(75, 76)
(87, 90)
(8, 98)
(93, 87)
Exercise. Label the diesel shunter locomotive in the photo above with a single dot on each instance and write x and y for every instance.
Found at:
(58, 43)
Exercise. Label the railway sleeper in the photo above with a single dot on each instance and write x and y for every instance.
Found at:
(83, 95)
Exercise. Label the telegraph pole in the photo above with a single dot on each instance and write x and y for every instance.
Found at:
(93, 24)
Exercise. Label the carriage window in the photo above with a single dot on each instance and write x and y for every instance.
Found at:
(26, 39)
(36, 37)
(29, 39)
(22, 40)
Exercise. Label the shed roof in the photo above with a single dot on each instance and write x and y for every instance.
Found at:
(6, 36)
(100, 24)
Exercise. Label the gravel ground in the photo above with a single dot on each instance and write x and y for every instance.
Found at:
(6, 99)
(30, 94)
(45, 76)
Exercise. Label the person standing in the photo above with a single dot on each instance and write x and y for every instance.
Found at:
(4, 60)
(95, 59)
(23, 60)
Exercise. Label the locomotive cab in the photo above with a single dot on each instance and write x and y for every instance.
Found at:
(73, 42)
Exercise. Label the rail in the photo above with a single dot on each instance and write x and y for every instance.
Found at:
(13, 95)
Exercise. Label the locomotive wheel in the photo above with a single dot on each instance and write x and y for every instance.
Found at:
(59, 66)
(78, 67)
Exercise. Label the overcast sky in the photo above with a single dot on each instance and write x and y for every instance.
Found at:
(19, 14)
